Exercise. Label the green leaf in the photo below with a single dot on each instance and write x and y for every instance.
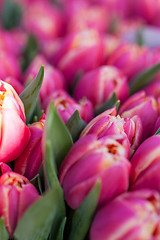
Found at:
(82, 217)
(75, 125)
(30, 94)
(57, 133)
(37, 221)
(11, 14)
(139, 36)
(29, 52)
(144, 78)
(113, 101)
(3, 232)
(61, 230)
(157, 132)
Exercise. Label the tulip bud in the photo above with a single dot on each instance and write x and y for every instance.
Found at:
(53, 79)
(14, 132)
(90, 159)
(146, 165)
(29, 162)
(98, 85)
(143, 106)
(130, 59)
(66, 106)
(107, 123)
(76, 51)
(17, 194)
(133, 215)
(18, 87)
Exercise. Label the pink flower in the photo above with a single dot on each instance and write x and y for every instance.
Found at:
(90, 159)
(29, 162)
(109, 123)
(98, 85)
(14, 134)
(66, 106)
(80, 51)
(143, 106)
(18, 87)
(146, 165)
(17, 194)
(133, 215)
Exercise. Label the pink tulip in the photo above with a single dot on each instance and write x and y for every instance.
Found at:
(133, 215)
(143, 106)
(17, 194)
(66, 106)
(131, 59)
(90, 159)
(53, 79)
(98, 85)
(146, 165)
(80, 52)
(43, 20)
(29, 162)
(107, 123)
(14, 134)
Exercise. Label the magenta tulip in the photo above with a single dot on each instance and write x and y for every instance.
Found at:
(17, 194)
(29, 162)
(143, 106)
(109, 123)
(146, 165)
(133, 215)
(66, 106)
(90, 159)
(98, 85)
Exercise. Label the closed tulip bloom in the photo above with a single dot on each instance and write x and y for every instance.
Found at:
(98, 85)
(131, 59)
(109, 123)
(89, 160)
(53, 79)
(14, 131)
(80, 51)
(66, 106)
(143, 106)
(29, 162)
(146, 165)
(18, 87)
(133, 215)
(17, 194)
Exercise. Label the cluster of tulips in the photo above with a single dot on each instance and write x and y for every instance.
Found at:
(79, 120)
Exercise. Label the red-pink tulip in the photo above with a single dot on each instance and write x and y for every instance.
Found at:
(14, 134)
(90, 159)
(80, 52)
(143, 106)
(66, 106)
(109, 123)
(18, 87)
(4, 168)
(29, 162)
(98, 85)
(17, 194)
(146, 165)
(133, 215)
